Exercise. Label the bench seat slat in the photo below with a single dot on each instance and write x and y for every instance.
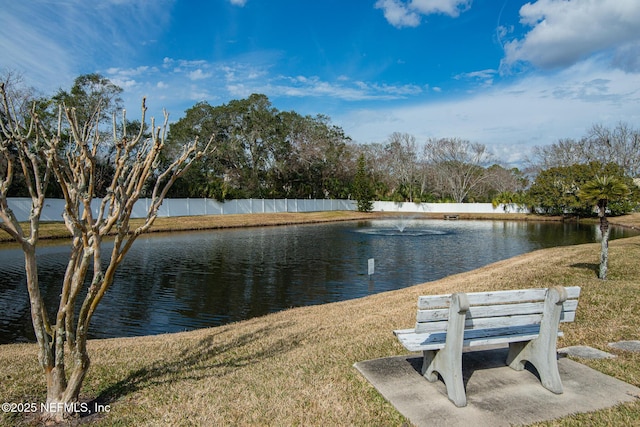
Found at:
(477, 312)
(573, 292)
(491, 322)
(472, 338)
(495, 322)
(476, 298)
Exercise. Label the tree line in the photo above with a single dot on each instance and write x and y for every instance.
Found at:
(262, 152)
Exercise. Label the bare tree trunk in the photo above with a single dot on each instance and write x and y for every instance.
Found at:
(39, 315)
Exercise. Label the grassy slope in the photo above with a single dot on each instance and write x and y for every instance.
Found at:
(295, 367)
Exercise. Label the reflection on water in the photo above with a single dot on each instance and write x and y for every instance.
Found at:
(183, 281)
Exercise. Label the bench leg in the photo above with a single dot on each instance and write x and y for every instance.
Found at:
(448, 361)
(541, 352)
(449, 366)
(543, 358)
(427, 365)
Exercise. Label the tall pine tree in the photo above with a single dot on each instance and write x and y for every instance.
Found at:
(362, 190)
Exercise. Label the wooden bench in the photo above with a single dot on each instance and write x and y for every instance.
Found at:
(527, 320)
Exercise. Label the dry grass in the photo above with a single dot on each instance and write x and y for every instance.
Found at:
(295, 367)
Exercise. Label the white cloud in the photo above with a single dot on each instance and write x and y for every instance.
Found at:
(198, 94)
(566, 31)
(503, 30)
(400, 13)
(451, 8)
(126, 84)
(54, 42)
(26, 49)
(627, 57)
(198, 75)
(130, 71)
(181, 65)
(510, 119)
(315, 87)
(234, 71)
(240, 3)
(197, 80)
(485, 77)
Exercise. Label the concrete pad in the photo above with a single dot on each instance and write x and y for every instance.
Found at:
(496, 394)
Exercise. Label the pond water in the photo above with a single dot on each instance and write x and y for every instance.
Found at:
(183, 281)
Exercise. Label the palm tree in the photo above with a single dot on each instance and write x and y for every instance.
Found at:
(599, 191)
(508, 200)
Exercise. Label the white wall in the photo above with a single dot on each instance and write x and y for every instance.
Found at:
(53, 208)
(444, 207)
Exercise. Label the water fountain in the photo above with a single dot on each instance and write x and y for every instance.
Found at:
(402, 226)
(402, 223)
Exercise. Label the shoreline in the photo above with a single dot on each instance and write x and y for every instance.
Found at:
(57, 230)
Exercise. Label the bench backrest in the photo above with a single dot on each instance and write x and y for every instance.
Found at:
(493, 309)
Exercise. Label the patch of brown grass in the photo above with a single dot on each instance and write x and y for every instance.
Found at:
(296, 367)
(631, 220)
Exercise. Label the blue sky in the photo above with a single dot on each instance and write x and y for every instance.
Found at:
(509, 74)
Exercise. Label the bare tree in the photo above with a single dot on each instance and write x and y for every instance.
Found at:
(565, 152)
(402, 163)
(505, 180)
(620, 145)
(458, 166)
(22, 96)
(40, 155)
